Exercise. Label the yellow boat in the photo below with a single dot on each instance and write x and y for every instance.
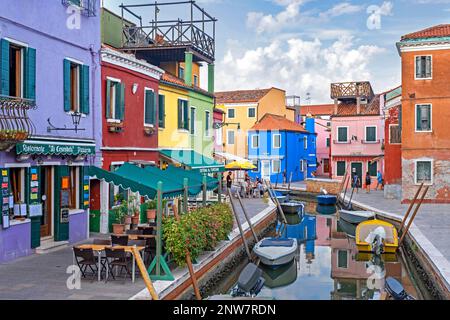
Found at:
(390, 244)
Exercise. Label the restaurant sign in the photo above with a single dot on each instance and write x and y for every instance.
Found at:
(57, 149)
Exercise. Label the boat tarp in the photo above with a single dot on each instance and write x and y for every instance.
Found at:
(274, 242)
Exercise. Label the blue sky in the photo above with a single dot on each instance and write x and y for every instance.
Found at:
(304, 45)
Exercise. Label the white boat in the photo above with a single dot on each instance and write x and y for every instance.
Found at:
(276, 251)
(356, 217)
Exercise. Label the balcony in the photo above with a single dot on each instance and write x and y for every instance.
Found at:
(342, 142)
(167, 40)
(371, 142)
(87, 7)
(352, 90)
(15, 125)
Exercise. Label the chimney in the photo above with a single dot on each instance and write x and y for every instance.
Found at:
(297, 118)
(358, 105)
(336, 102)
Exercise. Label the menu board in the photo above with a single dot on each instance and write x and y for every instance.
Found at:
(86, 192)
(5, 198)
(64, 215)
(65, 196)
(34, 185)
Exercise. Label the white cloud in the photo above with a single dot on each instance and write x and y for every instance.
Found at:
(341, 9)
(272, 23)
(298, 66)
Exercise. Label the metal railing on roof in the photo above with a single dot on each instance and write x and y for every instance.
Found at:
(87, 7)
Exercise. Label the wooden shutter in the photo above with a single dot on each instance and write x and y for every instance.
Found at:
(180, 114)
(61, 229)
(120, 101)
(67, 102)
(418, 67)
(428, 66)
(84, 89)
(149, 114)
(108, 99)
(419, 117)
(162, 111)
(30, 74)
(186, 115)
(4, 67)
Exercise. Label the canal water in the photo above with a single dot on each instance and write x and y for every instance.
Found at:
(328, 265)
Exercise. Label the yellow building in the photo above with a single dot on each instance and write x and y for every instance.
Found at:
(243, 109)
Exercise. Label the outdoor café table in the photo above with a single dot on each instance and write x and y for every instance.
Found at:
(99, 248)
(136, 236)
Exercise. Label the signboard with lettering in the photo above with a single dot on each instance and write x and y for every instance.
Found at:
(35, 210)
(64, 215)
(5, 198)
(58, 149)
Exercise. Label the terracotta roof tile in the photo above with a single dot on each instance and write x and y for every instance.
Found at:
(241, 96)
(442, 30)
(276, 122)
(170, 78)
(317, 110)
(349, 109)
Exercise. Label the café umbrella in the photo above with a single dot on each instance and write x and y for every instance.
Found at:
(240, 165)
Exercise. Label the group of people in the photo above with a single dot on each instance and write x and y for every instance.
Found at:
(247, 187)
(356, 181)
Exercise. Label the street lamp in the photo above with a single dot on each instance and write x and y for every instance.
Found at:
(219, 125)
(76, 119)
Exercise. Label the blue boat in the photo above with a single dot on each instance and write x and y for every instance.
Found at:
(326, 209)
(326, 200)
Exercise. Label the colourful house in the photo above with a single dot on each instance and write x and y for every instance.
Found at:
(282, 150)
(393, 146)
(322, 115)
(357, 131)
(425, 57)
(243, 109)
(51, 127)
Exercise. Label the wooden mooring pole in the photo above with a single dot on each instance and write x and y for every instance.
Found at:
(247, 218)
(410, 207)
(241, 231)
(413, 216)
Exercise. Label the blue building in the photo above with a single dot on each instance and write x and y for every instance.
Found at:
(282, 150)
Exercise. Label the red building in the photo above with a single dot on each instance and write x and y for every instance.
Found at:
(129, 109)
(393, 143)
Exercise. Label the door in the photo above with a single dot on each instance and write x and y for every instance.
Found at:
(265, 169)
(358, 168)
(47, 210)
(326, 165)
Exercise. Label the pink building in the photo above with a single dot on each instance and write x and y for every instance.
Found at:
(218, 119)
(322, 114)
(357, 130)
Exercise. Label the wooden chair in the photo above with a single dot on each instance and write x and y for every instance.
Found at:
(117, 258)
(117, 240)
(85, 259)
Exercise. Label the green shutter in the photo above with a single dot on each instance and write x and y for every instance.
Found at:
(61, 229)
(149, 113)
(340, 172)
(30, 74)
(162, 111)
(67, 105)
(4, 67)
(120, 101)
(373, 169)
(180, 112)
(108, 97)
(186, 115)
(84, 89)
(419, 118)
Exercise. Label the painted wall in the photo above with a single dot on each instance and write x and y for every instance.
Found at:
(392, 152)
(78, 227)
(292, 151)
(433, 145)
(133, 135)
(218, 142)
(202, 141)
(323, 151)
(54, 42)
(110, 24)
(15, 242)
(171, 136)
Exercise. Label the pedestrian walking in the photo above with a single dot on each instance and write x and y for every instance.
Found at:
(379, 180)
(356, 182)
(229, 180)
(368, 182)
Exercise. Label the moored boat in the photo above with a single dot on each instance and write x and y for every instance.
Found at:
(326, 209)
(356, 217)
(292, 207)
(276, 251)
(280, 277)
(348, 228)
(326, 199)
(373, 232)
(396, 290)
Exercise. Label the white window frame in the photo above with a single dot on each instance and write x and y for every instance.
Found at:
(365, 134)
(303, 164)
(208, 123)
(272, 166)
(415, 66)
(248, 112)
(182, 130)
(432, 171)
(305, 142)
(22, 47)
(78, 98)
(394, 125)
(228, 136)
(196, 82)
(431, 118)
(192, 130)
(219, 136)
(228, 113)
(253, 141)
(348, 259)
(337, 134)
(108, 118)
(257, 165)
(273, 141)
(148, 125)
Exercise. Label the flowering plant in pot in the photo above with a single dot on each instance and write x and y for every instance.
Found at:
(120, 212)
(134, 208)
(151, 210)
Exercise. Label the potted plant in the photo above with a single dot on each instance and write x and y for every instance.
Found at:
(135, 209)
(151, 210)
(119, 213)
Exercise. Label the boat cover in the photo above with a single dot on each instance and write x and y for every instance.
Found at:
(274, 242)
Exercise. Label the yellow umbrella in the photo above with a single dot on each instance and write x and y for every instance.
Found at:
(240, 165)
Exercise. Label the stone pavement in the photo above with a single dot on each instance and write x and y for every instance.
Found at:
(252, 206)
(433, 220)
(43, 277)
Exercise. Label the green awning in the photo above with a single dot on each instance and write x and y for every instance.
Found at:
(53, 148)
(170, 189)
(194, 160)
(122, 182)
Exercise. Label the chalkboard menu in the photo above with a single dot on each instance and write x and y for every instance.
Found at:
(5, 198)
(64, 215)
(65, 196)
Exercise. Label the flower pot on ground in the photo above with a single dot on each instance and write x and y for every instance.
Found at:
(135, 220)
(127, 220)
(118, 228)
(151, 214)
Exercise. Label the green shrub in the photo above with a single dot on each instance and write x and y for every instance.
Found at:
(196, 232)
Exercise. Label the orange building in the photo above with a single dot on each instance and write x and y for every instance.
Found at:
(425, 57)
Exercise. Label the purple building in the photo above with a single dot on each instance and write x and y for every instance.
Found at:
(49, 85)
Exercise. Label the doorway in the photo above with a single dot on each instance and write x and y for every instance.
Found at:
(326, 165)
(358, 167)
(265, 169)
(47, 210)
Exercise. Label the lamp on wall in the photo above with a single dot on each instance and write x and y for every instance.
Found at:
(135, 88)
